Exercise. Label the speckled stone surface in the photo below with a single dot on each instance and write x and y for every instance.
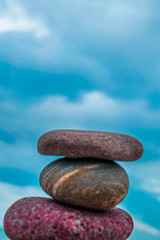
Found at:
(36, 218)
(85, 182)
(77, 143)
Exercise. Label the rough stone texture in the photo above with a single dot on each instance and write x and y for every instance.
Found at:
(36, 218)
(77, 143)
(85, 182)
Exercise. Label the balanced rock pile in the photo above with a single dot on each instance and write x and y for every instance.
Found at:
(85, 187)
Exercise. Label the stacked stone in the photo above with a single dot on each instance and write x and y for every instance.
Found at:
(85, 187)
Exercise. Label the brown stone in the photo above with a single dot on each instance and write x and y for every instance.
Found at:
(77, 143)
(85, 182)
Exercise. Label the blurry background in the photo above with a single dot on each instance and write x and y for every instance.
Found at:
(82, 65)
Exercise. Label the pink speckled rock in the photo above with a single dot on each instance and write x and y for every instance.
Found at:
(45, 219)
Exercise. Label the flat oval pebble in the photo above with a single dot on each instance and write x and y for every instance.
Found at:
(77, 143)
(36, 218)
(85, 182)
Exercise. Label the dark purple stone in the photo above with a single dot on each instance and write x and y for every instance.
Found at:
(77, 143)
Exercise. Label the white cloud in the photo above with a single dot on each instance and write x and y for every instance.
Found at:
(152, 185)
(93, 110)
(139, 225)
(14, 18)
(11, 193)
(148, 177)
(89, 103)
(92, 39)
(22, 155)
(118, 18)
(57, 111)
(109, 19)
(95, 105)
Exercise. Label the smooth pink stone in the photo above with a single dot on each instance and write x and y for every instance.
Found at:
(45, 219)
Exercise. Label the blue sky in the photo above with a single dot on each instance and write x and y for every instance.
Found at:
(81, 65)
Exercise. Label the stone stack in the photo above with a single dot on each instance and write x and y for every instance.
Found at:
(85, 186)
